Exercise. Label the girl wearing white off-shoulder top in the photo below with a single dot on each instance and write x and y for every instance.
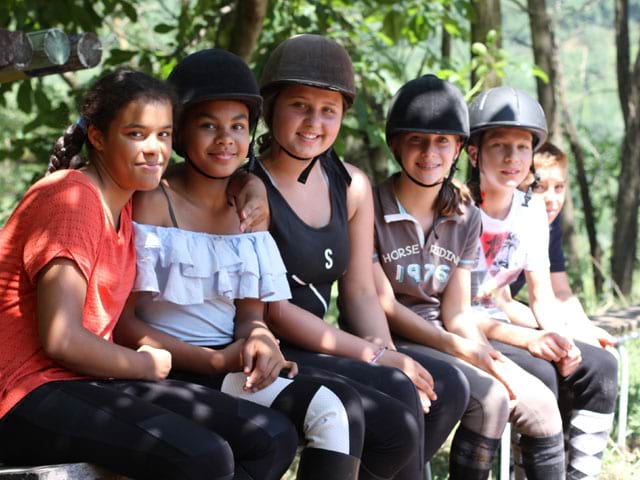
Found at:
(202, 283)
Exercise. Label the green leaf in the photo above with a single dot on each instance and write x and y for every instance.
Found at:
(163, 28)
(392, 25)
(479, 49)
(129, 11)
(118, 56)
(452, 29)
(540, 73)
(24, 96)
(42, 101)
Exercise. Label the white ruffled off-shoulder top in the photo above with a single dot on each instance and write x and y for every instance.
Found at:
(191, 279)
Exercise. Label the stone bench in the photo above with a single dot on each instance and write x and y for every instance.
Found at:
(68, 471)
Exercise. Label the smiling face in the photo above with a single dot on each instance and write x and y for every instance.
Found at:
(552, 185)
(426, 157)
(306, 120)
(505, 158)
(216, 136)
(135, 149)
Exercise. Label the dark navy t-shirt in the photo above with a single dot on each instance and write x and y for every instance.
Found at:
(556, 255)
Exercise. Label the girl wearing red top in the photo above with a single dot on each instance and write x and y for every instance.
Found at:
(67, 265)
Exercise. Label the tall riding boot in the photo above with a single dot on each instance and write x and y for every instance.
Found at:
(319, 464)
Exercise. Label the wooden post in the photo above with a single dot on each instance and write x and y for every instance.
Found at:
(15, 49)
(50, 52)
(50, 47)
(86, 52)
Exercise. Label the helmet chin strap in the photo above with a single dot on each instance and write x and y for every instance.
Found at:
(418, 182)
(295, 156)
(449, 177)
(302, 178)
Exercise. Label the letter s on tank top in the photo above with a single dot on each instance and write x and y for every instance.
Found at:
(314, 257)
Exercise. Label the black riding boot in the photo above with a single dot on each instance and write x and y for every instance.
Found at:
(319, 464)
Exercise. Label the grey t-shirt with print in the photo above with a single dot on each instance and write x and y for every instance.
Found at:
(419, 266)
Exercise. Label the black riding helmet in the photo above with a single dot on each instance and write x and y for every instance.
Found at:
(511, 108)
(428, 105)
(311, 60)
(508, 107)
(215, 74)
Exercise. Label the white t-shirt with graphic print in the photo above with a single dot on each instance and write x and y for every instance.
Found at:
(506, 247)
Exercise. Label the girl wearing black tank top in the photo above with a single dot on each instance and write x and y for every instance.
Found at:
(202, 283)
(322, 220)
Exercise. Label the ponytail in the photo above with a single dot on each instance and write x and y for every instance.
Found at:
(451, 197)
(67, 148)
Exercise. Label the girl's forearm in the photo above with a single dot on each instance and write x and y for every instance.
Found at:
(305, 330)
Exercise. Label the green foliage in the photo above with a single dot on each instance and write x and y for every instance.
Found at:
(390, 42)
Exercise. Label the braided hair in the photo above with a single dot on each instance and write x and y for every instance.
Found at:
(100, 106)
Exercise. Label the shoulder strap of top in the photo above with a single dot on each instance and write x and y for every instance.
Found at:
(171, 212)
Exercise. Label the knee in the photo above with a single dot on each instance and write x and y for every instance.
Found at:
(608, 368)
(600, 381)
(537, 413)
(396, 384)
(546, 373)
(335, 420)
(452, 388)
(214, 456)
(488, 410)
(267, 448)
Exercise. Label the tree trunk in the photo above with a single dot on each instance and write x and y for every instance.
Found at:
(589, 217)
(625, 233)
(546, 56)
(543, 45)
(487, 16)
(247, 27)
(445, 46)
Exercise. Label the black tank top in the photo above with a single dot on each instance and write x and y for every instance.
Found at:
(314, 257)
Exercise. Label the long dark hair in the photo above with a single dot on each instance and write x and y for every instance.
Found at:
(100, 106)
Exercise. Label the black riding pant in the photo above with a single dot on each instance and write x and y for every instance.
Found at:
(148, 430)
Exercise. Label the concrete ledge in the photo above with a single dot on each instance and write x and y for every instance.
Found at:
(619, 322)
(68, 471)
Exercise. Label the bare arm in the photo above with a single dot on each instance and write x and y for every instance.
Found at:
(548, 313)
(304, 329)
(581, 326)
(517, 312)
(361, 306)
(542, 301)
(473, 347)
(456, 312)
(261, 356)
(407, 323)
(358, 293)
(540, 343)
(307, 331)
(134, 332)
(61, 292)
